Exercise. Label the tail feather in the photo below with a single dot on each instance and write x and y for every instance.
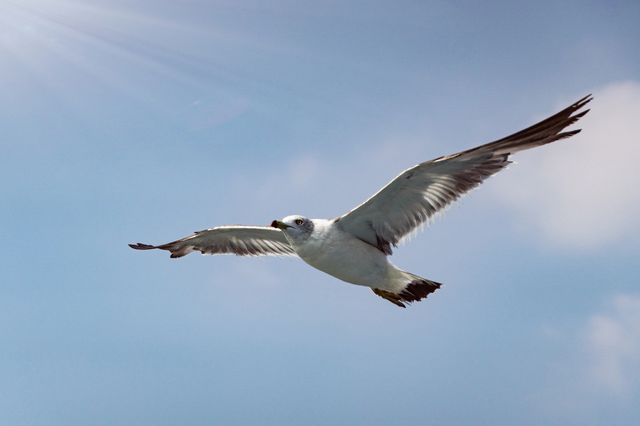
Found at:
(416, 290)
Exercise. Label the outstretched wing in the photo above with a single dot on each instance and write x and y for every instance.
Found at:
(239, 240)
(418, 193)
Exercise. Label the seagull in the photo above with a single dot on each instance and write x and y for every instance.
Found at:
(356, 246)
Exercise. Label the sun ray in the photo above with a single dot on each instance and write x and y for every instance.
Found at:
(121, 49)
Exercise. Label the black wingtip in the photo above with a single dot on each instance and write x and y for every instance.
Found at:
(582, 102)
(141, 246)
(581, 114)
(574, 109)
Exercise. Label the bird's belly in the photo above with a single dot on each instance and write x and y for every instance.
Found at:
(351, 260)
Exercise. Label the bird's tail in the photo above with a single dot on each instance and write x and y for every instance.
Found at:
(412, 289)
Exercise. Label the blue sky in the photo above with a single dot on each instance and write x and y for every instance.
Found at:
(144, 121)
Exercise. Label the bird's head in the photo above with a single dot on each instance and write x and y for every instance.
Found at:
(295, 226)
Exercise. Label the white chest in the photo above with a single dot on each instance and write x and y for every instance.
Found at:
(343, 256)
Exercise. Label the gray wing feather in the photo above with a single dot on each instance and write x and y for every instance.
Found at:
(415, 195)
(239, 240)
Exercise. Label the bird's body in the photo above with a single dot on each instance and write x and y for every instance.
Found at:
(355, 247)
(345, 257)
(341, 255)
(326, 246)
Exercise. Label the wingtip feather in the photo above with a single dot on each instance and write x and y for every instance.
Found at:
(142, 246)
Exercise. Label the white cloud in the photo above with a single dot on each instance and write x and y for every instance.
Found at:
(613, 346)
(583, 192)
(597, 372)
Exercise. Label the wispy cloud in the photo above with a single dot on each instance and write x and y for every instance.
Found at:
(597, 372)
(613, 346)
(583, 193)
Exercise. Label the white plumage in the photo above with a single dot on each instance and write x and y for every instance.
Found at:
(355, 246)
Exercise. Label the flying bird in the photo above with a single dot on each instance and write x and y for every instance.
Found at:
(355, 247)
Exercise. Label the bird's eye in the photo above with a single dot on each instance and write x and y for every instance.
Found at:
(299, 221)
